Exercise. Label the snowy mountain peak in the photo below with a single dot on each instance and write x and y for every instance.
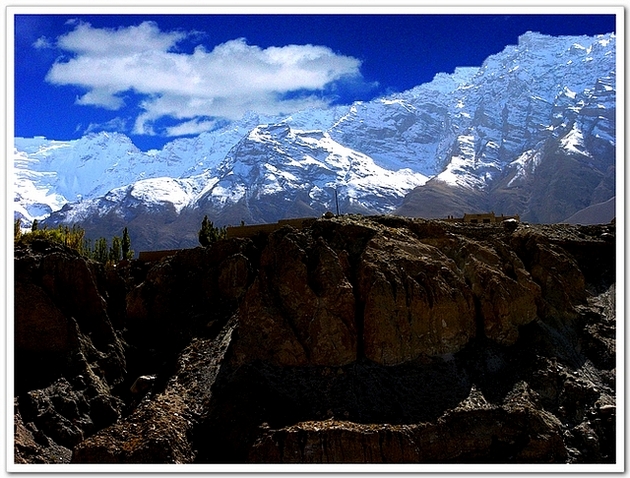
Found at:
(490, 130)
(309, 165)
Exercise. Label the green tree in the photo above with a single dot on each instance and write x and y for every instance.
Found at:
(101, 250)
(209, 233)
(115, 250)
(88, 250)
(127, 253)
(75, 238)
(205, 233)
(17, 229)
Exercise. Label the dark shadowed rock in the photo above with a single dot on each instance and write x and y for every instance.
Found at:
(32, 446)
(351, 340)
(40, 326)
(68, 358)
(473, 432)
(180, 295)
(72, 282)
(160, 429)
(554, 270)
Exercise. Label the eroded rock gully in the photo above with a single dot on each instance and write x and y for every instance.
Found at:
(357, 339)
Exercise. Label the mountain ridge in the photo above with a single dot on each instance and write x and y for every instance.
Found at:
(531, 132)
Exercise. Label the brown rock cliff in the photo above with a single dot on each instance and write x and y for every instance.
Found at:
(381, 339)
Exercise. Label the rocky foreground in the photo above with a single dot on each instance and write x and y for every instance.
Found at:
(355, 340)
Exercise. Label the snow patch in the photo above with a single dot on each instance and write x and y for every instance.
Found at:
(524, 165)
(573, 142)
(162, 191)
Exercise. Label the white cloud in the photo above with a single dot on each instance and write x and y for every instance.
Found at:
(103, 97)
(115, 124)
(226, 82)
(190, 127)
(42, 43)
(103, 42)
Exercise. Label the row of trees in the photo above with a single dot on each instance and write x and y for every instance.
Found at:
(99, 250)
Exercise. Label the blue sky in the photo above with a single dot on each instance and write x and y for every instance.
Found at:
(159, 77)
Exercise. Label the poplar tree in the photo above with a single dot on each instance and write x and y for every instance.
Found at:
(206, 232)
(115, 250)
(101, 251)
(127, 253)
(17, 229)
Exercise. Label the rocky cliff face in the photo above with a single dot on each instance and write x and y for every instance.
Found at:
(354, 340)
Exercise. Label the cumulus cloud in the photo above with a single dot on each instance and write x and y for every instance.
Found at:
(225, 82)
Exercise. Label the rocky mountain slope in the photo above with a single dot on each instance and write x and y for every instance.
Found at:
(536, 135)
(353, 340)
(529, 132)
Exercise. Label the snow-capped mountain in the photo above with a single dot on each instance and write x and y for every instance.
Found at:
(49, 174)
(529, 132)
(535, 133)
(272, 173)
(275, 166)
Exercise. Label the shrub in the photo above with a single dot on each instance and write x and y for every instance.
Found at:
(72, 238)
(209, 233)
